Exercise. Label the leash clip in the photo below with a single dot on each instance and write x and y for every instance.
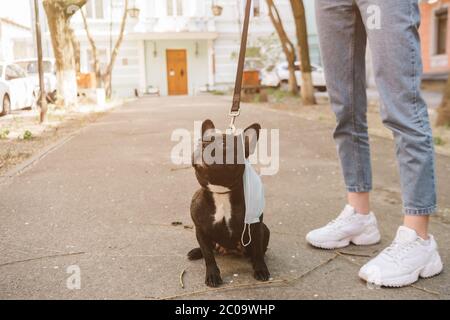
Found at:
(233, 115)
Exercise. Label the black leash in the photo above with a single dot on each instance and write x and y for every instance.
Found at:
(236, 106)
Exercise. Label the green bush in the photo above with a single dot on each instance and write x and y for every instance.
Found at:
(438, 141)
(27, 135)
(4, 134)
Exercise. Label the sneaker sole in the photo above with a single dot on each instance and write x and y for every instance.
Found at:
(432, 269)
(360, 240)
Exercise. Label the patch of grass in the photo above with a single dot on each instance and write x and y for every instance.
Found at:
(255, 98)
(260, 97)
(438, 141)
(218, 93)
(27, 135)
(279, 95)
(4, 134)
(12, 157)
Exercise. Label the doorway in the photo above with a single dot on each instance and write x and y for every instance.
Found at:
(177, 80)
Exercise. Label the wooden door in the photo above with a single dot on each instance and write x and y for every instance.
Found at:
(177, 72)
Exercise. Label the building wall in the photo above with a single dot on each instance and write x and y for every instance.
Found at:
(15, 41)
(142, 70)
(197, 66)
(433, 64)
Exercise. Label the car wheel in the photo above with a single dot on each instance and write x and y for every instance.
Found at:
(6, 105)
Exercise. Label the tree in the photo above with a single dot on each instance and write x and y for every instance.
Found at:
(95, 61)
(307, 87)
(443, 118)
(105, 79)
(76, 50)
(269, 50)
(58, 14)
(286, 44)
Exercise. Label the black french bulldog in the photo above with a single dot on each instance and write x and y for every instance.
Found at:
(218, 208)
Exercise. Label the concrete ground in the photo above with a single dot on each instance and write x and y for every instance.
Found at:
(105, 201)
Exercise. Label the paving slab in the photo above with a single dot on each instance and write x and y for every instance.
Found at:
(105, 201)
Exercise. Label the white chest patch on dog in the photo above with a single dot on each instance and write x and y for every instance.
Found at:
(222, 203)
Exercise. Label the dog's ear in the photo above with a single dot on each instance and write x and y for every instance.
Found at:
(251, 137)
(207, 128)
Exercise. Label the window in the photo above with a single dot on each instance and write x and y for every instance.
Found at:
(175, 8)
(14, 72)
(179, 8)
(32, 67)
(170, 7)
(20, 72)
(95, 9)
(441, 17)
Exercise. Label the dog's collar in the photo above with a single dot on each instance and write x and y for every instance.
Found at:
(221, 192)
(228, 192)
(216, 192)
(232, 188)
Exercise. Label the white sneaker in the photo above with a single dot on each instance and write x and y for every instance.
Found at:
(404, 261)
(348, 227)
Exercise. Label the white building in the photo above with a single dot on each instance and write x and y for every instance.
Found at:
(178, 46)
(15, 40)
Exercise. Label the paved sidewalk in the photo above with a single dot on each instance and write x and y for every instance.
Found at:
(105, 201)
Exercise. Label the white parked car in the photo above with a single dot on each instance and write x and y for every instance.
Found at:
(31, 67)
(16, 88)
(279, 76)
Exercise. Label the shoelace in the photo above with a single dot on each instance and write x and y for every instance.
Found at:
(397, 250)
(339, 222)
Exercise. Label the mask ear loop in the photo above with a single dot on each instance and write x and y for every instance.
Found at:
(245, 224)
(249, 235)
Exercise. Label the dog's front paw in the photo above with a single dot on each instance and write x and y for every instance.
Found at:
(213, 278)
(261, 273)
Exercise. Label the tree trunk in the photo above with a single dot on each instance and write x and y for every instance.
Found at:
(76, 50)
(288, 47)
(95, 62)
(107, 76)
(443, 118)
(307, 87)
(107, 81)
(58, 16)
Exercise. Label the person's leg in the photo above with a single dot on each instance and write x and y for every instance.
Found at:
(343, 46)
(396, 53)
(359, 201)
(417, 223)
(395, 47)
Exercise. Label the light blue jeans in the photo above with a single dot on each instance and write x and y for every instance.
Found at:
(391, 27)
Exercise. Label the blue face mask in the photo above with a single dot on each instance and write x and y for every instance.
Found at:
(254, 197)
